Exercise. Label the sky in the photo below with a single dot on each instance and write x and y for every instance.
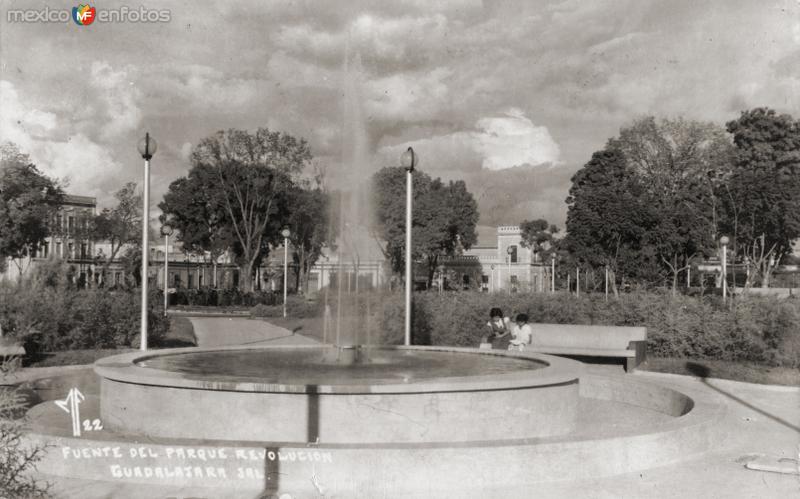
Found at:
(510, 96)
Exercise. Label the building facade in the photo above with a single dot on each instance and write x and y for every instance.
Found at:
(69, 240)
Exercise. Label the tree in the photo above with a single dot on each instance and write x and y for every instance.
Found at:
(310, 227)
(763, 188)
(607, 219)
(28, 203)
(119, 225)
(252, 171)
(194, 207)
(675, 160)
(540, 237)
(444, 217)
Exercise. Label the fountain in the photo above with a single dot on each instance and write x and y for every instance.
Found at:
(350, 418)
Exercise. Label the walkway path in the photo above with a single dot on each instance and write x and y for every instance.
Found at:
(225, 331)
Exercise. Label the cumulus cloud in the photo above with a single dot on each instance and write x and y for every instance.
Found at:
(117, 97)
(499, 142)
(81, 164)
(18, 123)
(514, 140)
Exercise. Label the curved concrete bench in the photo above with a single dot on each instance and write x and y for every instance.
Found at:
(591, 341)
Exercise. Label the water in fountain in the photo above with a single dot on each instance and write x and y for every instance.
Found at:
(348, 307)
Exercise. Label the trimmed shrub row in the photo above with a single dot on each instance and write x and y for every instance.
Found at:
(211, 297)
(756, 329)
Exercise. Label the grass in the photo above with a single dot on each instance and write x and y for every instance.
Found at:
(737, 371)
(180, 334)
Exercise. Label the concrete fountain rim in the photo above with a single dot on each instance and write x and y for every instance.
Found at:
(557, 371)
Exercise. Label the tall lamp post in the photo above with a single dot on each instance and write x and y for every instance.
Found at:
(408, 160)
(285, 233)
(553, 273)
(147, 148)
(166, 231)
(509, 250)
(724, 242)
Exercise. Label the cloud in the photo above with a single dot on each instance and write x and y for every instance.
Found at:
(498, 143)
(84, 166)
(514, 140)
(117, 98)
(19, 124)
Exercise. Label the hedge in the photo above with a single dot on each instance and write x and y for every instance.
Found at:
(756, 329)
(50, 314)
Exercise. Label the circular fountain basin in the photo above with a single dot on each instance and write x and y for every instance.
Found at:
(300, 394)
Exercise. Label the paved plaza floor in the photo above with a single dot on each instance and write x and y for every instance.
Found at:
(762, 423)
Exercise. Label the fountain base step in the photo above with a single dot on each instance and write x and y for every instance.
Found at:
(600, 447)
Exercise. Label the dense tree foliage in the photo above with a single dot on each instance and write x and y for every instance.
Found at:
(763, 189)
(241, 191)
(661, 194)
(244, 179)
(539, 236)
(193, 207)
(444, 217)
(309, 223)
(28, 203)
(607, 217)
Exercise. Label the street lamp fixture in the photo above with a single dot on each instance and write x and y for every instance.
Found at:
(166, 231)
(723, 241)
(147, 148)
(408, 160)
(286, 233)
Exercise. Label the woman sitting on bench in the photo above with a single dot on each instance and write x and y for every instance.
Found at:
(497, 327)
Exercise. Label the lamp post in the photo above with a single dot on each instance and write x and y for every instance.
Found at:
(577, 282)
(553, 273)
(769, 269)
(509, 250)
(285, 233)
(747, 270)
(408, 160)
(147, 148)
(724, 242)
(166, 231)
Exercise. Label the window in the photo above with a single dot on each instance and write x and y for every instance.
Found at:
(190, 280)
(46, 249)
(485, 279)
(117, 278)
(83, 250)
(58, 249)
(71, 225)
(514, 280)
(71, 250)
(512, 251)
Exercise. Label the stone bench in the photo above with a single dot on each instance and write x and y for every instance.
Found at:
(591, 341)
